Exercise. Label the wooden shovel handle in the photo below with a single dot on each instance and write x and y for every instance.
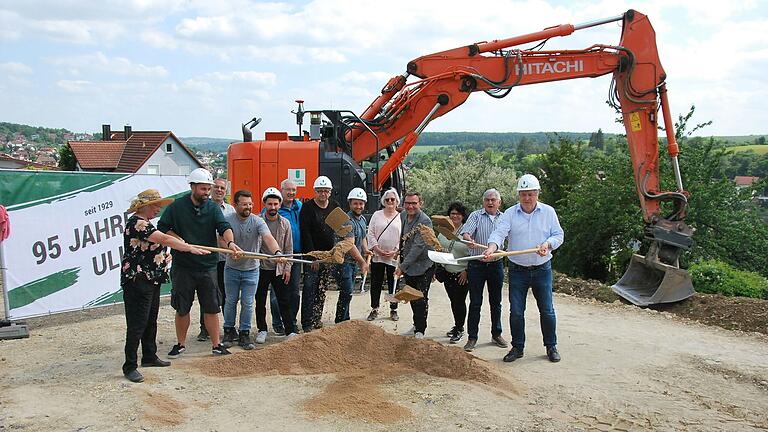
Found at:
(517, 252)
(229, 251)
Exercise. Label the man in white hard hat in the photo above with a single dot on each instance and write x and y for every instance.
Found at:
(196, 219)
(275, 274)
(316, 235)
(356, 257)
(219, 191)
(529, 224)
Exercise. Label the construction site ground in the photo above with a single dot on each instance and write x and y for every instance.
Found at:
(624, 368)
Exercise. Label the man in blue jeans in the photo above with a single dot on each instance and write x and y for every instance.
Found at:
(241, 276)
(289, 209)
(356, 256)
(529, 224)
(478, 228)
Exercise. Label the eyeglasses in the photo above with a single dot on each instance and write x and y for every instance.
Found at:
(389, 200)
(323, 191)
(456, 214)
(413, 203)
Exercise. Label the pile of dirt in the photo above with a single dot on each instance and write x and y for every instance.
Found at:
(363, 357)
(732, 313)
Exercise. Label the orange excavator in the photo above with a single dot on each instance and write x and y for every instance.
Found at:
(367, 151)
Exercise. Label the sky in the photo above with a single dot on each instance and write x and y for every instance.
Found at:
(203, 67)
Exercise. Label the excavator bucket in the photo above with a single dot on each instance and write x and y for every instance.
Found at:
(646, 283)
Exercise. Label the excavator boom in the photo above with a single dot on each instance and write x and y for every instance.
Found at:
(392, 123)
(448, 78)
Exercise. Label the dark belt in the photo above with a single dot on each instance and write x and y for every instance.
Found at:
(533, 267)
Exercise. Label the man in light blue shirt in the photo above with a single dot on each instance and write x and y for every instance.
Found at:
(529, 224)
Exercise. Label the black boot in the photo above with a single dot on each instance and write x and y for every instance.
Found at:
(244, 340)
(230, 337)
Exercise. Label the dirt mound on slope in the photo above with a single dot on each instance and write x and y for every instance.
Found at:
(363, 357)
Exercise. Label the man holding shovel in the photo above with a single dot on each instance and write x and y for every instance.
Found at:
(529, 224)
(356, 257)
(414, 259)
(241, 276)
(478, 228)
(196, 219)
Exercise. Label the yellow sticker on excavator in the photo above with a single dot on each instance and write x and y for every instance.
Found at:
(634, 122)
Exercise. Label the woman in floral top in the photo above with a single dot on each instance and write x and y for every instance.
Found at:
(144, 268)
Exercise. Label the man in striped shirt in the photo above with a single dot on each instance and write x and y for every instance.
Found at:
(478, 228)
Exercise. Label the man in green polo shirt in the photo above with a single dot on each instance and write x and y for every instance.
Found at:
(196, 219)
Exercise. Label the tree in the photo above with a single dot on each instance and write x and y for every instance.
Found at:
(561, 169)
(596, 140)
(67, 160)
(463, 179)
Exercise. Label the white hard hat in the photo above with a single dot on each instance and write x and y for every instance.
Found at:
(323, 182)
(271, 192)
(200, 175)
(357, 193)
(528, 182)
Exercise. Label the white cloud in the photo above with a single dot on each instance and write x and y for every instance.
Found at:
(73, 86)
(159, 39)
(112, 65)
(15, 68)
(262, 78)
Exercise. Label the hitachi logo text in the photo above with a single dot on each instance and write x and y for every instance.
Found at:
(555, 67)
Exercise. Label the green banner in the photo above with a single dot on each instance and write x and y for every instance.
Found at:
(20, 189)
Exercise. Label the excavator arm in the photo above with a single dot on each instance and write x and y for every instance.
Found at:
(446, 79)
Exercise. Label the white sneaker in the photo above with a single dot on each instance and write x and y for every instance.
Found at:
(291, 336)
(261, 337)
(410, 331)
(418, 335)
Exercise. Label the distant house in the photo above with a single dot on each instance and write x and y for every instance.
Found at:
(744, 181)
(10, 162)
(129, 151)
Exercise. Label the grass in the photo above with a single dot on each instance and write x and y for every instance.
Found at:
(421, 149)
(759, 149)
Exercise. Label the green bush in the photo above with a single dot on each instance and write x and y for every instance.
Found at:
(717, 277)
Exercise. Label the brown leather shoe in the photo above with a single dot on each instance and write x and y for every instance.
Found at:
(470, 345)
(499, 341)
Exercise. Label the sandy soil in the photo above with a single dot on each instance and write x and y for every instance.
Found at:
(623, 368)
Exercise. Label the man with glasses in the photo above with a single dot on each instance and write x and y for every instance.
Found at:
(415, 264)
(219, 191)
(478, 228)
(290, 209)
(316, 235)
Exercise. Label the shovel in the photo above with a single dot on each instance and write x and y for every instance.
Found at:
(390, 297)
(365, 275)
(252, 255)
(448, 258)
(450, 235)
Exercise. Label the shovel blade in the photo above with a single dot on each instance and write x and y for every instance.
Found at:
(648, 283)
(442, 257)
